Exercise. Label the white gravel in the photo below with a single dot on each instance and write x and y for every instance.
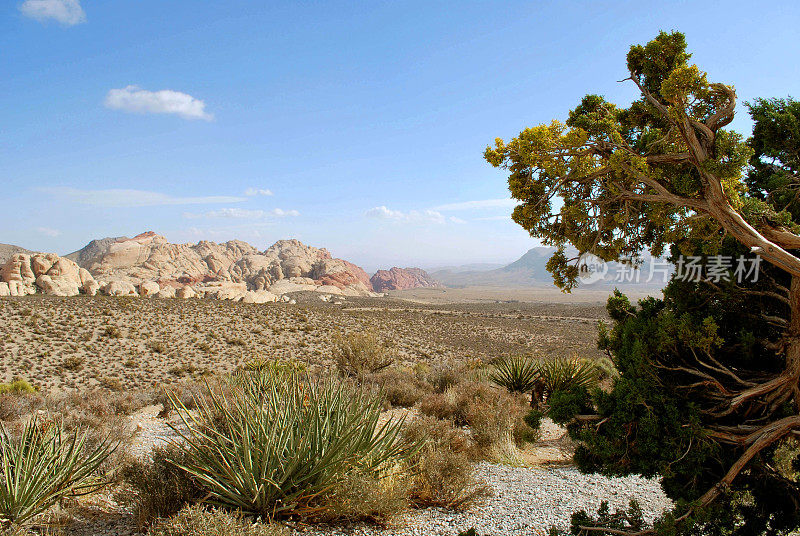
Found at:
(526, 501)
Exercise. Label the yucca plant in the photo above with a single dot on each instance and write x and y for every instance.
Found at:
(271, 443)
(43, 465)
(516, 373)
(565, 374)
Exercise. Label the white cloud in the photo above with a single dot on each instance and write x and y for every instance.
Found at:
(67, 12)
(453, 219)
(252, 192)
(47, 231)
(166, 101)
(131, 198)
(478, 205)
(242, 214)
(412, 216)
(281, 213)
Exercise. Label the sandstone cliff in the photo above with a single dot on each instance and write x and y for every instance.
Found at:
(236, 265)
(401, 279)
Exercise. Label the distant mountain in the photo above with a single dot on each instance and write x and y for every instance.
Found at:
(402, 279)
(8, 250)
(473, 267)
(530, 271)
(93, 250)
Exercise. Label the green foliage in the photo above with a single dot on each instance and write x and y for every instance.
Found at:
(629, 520)
(567, 374)
(18, 386)
(197, 520)
(697, 370)
(42, 466)
(566, 404)
(606, 180)
(775, 163)
(517, 374)
(273, 443)
(534, 419)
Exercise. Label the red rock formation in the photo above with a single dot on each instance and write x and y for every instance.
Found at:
(401, 279)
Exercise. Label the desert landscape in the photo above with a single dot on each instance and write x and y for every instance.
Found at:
(399, 268)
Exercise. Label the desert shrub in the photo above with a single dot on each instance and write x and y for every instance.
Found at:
(567, 374)
(363, 497)
(426, 430)
(533, 419)
(358, 354)
(101, 415)
(401, 388)
(495, 417)
(444, 474)
(273, 443)
(157, 487)
(518, 374)
(43, 465)
(18, 386)
(73, 362)
(196, 520)
(438, 405)
(16, 404)
(158, 347)
(182, 394)
(444, 374)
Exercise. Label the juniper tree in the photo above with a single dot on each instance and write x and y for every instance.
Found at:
(708, 390)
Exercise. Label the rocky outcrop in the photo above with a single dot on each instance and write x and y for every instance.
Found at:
(46, 273)
(149, 288)
(9, 250)
(118, 288)
(223, 271)
(402, 279)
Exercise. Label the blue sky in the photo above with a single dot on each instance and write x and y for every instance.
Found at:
(357, 126)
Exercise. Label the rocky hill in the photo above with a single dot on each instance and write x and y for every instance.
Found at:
(530, 271)
(233, 267)
(402, 279)
(9, 250)
(148, 264)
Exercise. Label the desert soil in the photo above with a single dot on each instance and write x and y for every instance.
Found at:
(144, 343)
(125, 343)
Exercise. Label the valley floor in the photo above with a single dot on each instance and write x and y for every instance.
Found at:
(144, 345)
(126, 343)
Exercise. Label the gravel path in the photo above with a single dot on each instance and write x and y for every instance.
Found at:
(526, 501)
(152, 431)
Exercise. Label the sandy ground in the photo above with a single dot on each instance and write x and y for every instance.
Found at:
(126, 343)
(550, 295)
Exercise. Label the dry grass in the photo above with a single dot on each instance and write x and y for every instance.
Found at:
(199, 521)
(71, 343)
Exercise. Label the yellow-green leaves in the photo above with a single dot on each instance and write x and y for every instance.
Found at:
(682, 83)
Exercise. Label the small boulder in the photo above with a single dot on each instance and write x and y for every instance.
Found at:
(184, 293)
(259, 296)
(90, 287)
(148, 288)
(166, 292)
(119, 288)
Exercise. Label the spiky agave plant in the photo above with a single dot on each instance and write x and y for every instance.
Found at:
(272, 442)
(517, 374)
(43, 465)
(565, 374)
